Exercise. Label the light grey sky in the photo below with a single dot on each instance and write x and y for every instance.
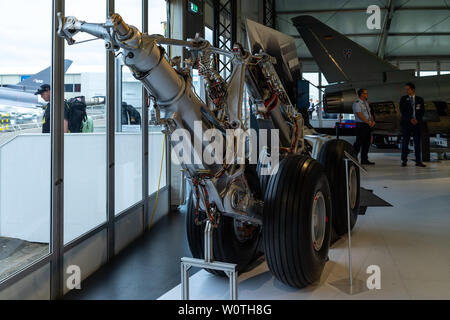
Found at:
(25, 32)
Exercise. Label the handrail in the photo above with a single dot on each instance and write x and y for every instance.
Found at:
(355, 161)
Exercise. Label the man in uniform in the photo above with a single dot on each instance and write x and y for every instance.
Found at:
(311, 108)
(364, 124)
(412, 109)
(45, 93)
(130, 116)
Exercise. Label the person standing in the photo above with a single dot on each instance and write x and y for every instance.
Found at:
(130, 116)
(45, 93)
(364, 125)
(311, 109)
(412, 109)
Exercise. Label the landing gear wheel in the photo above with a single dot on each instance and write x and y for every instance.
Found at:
(263, 164)
(297, 221)
(234, 241)
(332, 157)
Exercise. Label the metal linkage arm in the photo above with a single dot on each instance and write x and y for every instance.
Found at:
(70, 26)
(194, 45)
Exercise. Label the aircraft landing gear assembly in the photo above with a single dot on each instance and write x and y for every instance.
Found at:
(292, 207)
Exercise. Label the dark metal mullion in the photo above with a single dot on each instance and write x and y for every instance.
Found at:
(110, 143)
(145, 139)
(216, 34)
(227, 29)
(168, 146)
(225, 10)
(233, 22)
(168, 173)
(269, 13)
(57, 156)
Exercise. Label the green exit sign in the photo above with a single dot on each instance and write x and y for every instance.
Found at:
(193, 7)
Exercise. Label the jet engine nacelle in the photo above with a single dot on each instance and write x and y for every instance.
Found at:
(340, 101)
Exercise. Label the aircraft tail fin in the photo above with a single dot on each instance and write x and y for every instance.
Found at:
(40, 78)
(339, 58)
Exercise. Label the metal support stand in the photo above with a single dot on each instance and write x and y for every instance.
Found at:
(349, 285)
(208, 263)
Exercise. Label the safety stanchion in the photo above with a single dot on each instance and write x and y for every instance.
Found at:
(208, 263)
(350, 285)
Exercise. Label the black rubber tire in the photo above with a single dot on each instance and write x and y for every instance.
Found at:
(332, 158)
(226, 245)
(287, 233)
(263, 179)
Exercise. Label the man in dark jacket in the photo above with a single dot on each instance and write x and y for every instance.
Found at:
(45, 92)
(412, 109)
(130, 116)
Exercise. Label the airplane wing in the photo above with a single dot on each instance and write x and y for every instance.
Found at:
(339, 58)
(35, 81)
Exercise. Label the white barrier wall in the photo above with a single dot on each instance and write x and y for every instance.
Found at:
(25, 182)
(84, 183)
(128, 170)
(155, 142)
(25, 188)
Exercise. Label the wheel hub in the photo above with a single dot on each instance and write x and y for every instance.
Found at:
(244, 231)
(352, 186)
(318, 221)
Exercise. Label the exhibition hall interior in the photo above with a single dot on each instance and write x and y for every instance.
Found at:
(224, 150)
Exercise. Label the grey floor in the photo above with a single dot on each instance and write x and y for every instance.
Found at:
(408, 242)
(145, 270)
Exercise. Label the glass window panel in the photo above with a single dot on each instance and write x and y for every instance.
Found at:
(156, 171)
(128, 142)
(25, 152)
(428, 73)
(313, 78)
(128, 150)
(131, 11)
(68, 88)
(445, 72)
(157, 17)
(209, 35)
(85, 153)
(157, 25)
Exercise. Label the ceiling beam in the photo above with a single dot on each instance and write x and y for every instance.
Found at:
(401, 58)
(323, 11)
(391, 34)
(381, 49)
(424, 8)
(422, 34)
